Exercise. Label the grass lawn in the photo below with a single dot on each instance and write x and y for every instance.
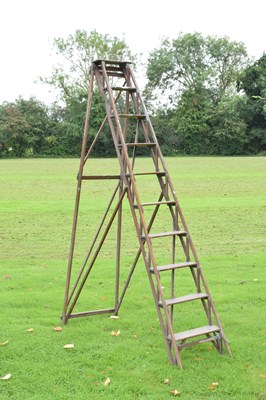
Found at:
(224, 203)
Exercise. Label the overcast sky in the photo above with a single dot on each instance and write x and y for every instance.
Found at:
(27, 29)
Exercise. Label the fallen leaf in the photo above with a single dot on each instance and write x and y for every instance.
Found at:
(213, 385)
(6, 377)
(4, 343)
(58, 328)
(175, 392)
(102, 298)
(166, 381)
(255, 280)
(198, 359)
(30, 330)
(262, 376)
(69, 346)
(7, 277)
(114, 317)
(116, 333)
(107, 381)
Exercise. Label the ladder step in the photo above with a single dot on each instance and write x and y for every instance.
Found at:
(113, 73)
(170, 267)
(159, 173)
(95, 177)
(156, 203)
(130, 116)
(111, 62)
(124, 89)
(164, 234)
(139, 145)
(184, 299)
(204, 330)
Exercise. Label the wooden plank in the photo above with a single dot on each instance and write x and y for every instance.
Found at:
(141, 144)
(204, 330)
(138, 144)
(170, 267)
(111, 73)
(165, 234)
(108, 62)
(184, 299)
(155, 203)
(100, 177)
(94, 312)
(124, 89)
(130, 116)
(159, 173)
(206, 339)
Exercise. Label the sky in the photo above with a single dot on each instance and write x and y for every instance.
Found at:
(28, 27)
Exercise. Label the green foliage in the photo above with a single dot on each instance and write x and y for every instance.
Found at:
(14, 128)
(191, 120)
(228, 129)
(192, 62)
(253, 82)
(197, 78)
(191, 92)
(76, 53)
(25, 128)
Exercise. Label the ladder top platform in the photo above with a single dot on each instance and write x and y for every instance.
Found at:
(114, 62)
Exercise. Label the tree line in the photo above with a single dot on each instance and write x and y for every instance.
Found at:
(204, 94)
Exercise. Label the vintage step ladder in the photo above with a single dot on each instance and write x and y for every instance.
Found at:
(166, 253)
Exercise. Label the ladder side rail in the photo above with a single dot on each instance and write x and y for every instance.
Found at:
(118, 247)
(141, 216)
(136, 141)
(77, 201)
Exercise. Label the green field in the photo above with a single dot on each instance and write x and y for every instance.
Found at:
(224, 203)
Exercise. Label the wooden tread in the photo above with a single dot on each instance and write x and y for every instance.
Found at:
(112, 62)
(139, 144)
(156, 203)
(157, 173)
(164, 234)
(170, 267)
(131, 116)
(184, 299)
(124, 89)
(100, 177)
(204, 330)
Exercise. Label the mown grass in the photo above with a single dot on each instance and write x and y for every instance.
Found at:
(224, 202)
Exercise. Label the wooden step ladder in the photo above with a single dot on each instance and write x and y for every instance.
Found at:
(132, 133)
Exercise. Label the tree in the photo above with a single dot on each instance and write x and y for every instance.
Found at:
(253, 82)
(14, 128)
(196, 77)
(26, 128)
(76, 52)
(71, 78)
(192, 62)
